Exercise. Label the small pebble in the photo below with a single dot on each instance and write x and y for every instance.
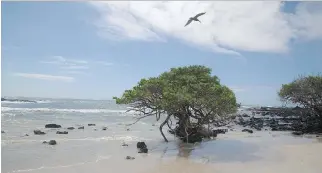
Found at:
(129, 158)
(64, 132)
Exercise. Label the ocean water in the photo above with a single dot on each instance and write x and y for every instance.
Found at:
(94, 149)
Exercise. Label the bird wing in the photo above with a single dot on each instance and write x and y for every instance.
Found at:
(200, 14)
(189, 21)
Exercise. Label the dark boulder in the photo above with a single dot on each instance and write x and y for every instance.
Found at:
(104, 128)
(91, 124)
(70, 128)
(52, 126)
(2, 131)
(124, 145)
(141, 145)
(81, 127)
(52, 142)
(45, 142)
(64, 132)
(220, 131)
(38, 132)
(247, 130)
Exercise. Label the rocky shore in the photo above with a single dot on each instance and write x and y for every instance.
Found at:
(296, 120)
(280, 119)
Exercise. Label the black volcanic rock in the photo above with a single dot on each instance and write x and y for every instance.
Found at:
(38, 132)
(142, 147)
(247, 130)
(64, 132)
(52, 126)
(129, 158)
(51, 142)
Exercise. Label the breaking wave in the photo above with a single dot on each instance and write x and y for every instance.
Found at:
(26, 102)
(49, 110)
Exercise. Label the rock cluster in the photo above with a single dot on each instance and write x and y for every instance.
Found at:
(281, 119)
(51, 142)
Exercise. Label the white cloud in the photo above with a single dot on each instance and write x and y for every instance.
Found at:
(227, 27)
(68, 64)
(59, 60)
(307, 20)
(45, 77)
(75, 66)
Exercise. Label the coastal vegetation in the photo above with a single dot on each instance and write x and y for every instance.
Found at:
(306, 92)
(190, 95)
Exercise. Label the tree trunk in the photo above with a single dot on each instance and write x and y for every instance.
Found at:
(161, 126)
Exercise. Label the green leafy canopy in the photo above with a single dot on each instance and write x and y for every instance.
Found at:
(181, 90)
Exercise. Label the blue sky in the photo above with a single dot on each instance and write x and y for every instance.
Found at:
(97, 50)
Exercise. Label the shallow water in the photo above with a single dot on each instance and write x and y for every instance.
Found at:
(101, 151)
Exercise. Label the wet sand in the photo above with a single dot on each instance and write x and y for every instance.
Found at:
(262, 152)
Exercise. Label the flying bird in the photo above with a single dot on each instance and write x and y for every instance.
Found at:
(194, 18)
